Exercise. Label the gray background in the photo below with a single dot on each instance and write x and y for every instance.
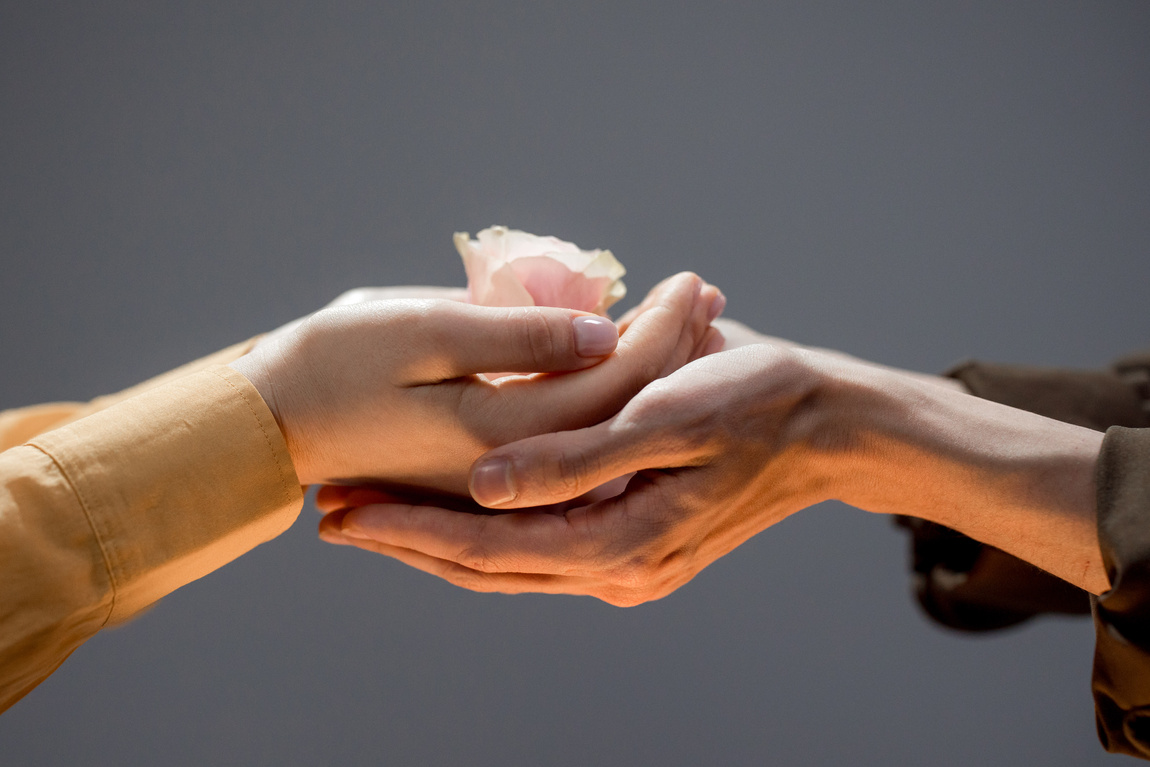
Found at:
(912, 182)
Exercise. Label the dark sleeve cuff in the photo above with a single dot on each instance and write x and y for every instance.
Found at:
(969, 586)
(1094, 399)
(1122, 615)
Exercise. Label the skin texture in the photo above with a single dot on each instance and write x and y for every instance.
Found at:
(363, 295)
(726, 447)
(388, 391)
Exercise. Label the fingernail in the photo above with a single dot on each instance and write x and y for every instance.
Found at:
(718, 303)
(491, 483)
(594, 336)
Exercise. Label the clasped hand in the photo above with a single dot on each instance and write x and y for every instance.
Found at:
(704, 481)
(725, 447)
(389, 391)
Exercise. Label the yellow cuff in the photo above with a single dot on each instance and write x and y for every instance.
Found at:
(177, 481)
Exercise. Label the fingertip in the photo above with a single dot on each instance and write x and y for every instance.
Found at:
(705, 302)
(681, 294)
(331, 498)
(663, 293)
(695, 282)
(682, 285)
(356, 523)
(718, 303)
(329, 529)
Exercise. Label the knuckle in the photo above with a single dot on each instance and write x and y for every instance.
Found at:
(542, 343)
(475, 555)
(635, 575)
(475, 558)
(652, 404)
(672, 563)
(458, 575)
(618, 597)
(573, 472)
(648, 366)
(651, 369)
(647, 579)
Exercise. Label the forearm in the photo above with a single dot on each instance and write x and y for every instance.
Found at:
(1018, 481)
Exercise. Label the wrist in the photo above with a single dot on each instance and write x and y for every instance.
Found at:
(817, 437)
(251, 368)
(837, 422)
(255, 367)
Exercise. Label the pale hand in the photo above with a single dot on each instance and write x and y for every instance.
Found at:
(387, 390)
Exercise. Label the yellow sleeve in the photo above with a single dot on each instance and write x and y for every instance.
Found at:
(105, 515)
(19, 425)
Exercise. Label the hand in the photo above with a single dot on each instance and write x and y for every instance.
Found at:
(386, 391)
(728, 446)
(712, 472)
(362, 295)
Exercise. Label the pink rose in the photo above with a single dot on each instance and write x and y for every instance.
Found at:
(506, 267)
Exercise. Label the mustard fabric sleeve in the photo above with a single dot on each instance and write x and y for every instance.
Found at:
(19, 425)
(105, 515)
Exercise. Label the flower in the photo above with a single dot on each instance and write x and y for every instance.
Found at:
(507, 267)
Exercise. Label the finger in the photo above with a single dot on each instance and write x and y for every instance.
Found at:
(621, 567)
(664, 336)
(695, 332)
(657, 342)
(653, 297)
(552, 468)
(718, 305)
(524, 542)
(331, 498)
(461, 339)
(648, 301)
(473, 580)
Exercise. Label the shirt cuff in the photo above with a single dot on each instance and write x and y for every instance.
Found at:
(1122, 615)
(177, 481)
(1094, 399)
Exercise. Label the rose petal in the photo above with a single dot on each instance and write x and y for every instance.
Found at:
(508, 267)
(550, 283)
(505, 289)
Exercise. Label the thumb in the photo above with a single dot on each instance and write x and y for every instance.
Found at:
(551, 468)
(530, 339)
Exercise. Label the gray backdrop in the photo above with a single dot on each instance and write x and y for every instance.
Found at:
(912, 182)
